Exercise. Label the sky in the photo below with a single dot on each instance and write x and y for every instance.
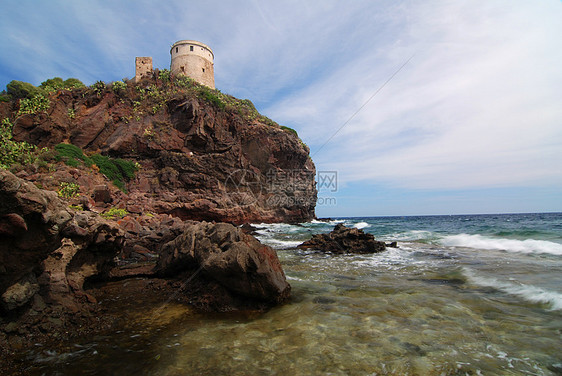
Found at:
(417, 107)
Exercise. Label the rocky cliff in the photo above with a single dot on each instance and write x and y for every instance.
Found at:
(203, 155)
(131, 182)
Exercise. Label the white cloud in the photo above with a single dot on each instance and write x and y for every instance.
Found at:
(478, 106)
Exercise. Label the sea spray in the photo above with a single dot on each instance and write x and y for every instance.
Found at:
(509, 245)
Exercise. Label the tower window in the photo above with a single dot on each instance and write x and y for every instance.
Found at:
(176, 50)
(191, 48)
(203, 70)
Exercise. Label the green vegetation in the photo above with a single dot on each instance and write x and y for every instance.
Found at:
(114, 213)
(4, 97)
(76, 207)
(71, 113)
(98, 87)
(57, 83)
(117, 170)
(119, 87)
(19, 89)
(14, 152)
(38, 103)
(68, 190)
(73, 83)
(290, 130)
(211, 96)
(71, 155)
(165, 76)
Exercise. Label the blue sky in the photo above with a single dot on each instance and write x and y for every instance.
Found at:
(471, 124)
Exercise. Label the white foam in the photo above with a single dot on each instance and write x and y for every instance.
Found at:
(361, 225)
(280, 244)
(529, 293)
(412, 235)
(510, 245)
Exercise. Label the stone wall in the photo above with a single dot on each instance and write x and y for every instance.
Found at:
(143, 67)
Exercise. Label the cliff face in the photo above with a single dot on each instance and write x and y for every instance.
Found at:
(199, 158)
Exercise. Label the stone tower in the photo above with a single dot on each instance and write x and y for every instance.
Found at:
(143, 68)
(193, 59)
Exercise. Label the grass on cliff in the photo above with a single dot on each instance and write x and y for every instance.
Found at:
(118, 170)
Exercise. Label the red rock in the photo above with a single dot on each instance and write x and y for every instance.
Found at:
(233, 259)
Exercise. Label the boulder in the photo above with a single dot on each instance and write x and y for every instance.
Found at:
(238, 262)
(47, 248)
(343, 239)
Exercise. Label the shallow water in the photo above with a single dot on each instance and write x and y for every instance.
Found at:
(429, 308)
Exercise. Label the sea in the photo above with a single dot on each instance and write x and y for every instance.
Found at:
(461, 295)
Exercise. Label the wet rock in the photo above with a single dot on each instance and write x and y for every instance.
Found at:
(236, 261)
(343, 239)
(249, 229)
(21, 292)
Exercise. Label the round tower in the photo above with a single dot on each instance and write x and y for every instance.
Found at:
(193, 59)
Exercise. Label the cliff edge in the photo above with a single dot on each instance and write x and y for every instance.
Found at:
(202, 154)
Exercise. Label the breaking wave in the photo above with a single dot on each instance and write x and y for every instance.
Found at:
(509, 245)
(529, 293)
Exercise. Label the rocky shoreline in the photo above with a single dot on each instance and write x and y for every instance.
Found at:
(74, 239)
(56, 262)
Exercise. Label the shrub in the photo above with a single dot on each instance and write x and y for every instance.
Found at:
(57, 83)
(39, 103)
(73, 83)
(19, 89)
(119, 87)
(211, 97)
(70, 154)
(115, 212)
(52, 84)
(4, 97)
(164, 75)
(13, 152)
(116, 170)
(68, 190)
(98, 87)
(290, 130)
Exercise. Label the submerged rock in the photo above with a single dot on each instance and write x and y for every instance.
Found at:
(343, 239)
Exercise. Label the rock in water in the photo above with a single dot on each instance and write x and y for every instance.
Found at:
(343, 239)
(225, 254)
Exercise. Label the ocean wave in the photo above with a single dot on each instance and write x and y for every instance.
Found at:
(329, 222)
(413, 235)
(361, 225)
(529, 293)
(510, 245)
(279, 244)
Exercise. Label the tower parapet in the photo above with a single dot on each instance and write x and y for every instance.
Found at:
(195, 60)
